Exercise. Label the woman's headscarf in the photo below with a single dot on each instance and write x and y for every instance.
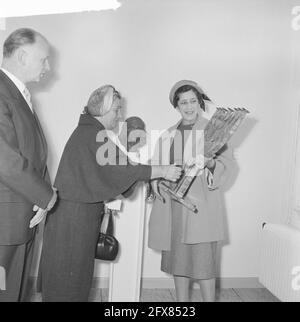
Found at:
(101, 100)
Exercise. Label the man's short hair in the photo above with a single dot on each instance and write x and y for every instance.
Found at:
(18, 38)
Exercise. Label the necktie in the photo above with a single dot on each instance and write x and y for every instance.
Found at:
(27, 97)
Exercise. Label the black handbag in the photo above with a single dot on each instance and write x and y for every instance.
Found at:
(107, 246)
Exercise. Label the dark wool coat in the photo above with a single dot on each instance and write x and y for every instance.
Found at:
(84, 182)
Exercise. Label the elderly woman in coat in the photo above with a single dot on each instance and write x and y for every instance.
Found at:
(188, 240)
(89, 174)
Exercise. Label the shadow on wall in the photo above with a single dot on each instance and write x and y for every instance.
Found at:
(45, 85)
(235, 142)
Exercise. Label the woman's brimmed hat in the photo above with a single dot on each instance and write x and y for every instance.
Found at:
(184, 83)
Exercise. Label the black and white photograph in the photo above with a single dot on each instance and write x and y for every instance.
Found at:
(150, 153)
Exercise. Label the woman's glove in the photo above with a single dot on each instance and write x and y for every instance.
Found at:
(156, 190)
(171, 172)
(38, 217)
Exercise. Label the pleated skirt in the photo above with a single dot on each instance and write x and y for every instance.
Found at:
(196, 261)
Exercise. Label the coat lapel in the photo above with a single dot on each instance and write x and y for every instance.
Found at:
(42, 137)
(22, 107)
(169, 136)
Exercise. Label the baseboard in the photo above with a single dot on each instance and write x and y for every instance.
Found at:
(100, 282)
(151, 283)
(239, 282)
(232, 282)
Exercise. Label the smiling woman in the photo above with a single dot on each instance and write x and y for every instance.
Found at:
(187, 240)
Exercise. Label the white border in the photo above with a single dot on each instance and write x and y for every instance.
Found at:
(13, 8)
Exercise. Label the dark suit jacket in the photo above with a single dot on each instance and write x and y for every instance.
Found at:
(23, 172)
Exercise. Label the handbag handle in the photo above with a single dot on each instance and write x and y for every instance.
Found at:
(110, 224)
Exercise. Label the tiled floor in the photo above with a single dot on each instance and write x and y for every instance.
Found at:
(168, 295)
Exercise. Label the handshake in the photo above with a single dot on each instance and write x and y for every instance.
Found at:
(169, 173)
(41, 213)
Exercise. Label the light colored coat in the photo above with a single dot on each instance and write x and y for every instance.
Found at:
(208, 224)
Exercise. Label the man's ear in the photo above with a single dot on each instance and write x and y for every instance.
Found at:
(22, 56)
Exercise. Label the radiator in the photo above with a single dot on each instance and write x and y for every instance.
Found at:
(280, 261)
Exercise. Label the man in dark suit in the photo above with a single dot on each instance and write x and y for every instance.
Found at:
(24, 182)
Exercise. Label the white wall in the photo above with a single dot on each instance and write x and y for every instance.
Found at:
(239, 51)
